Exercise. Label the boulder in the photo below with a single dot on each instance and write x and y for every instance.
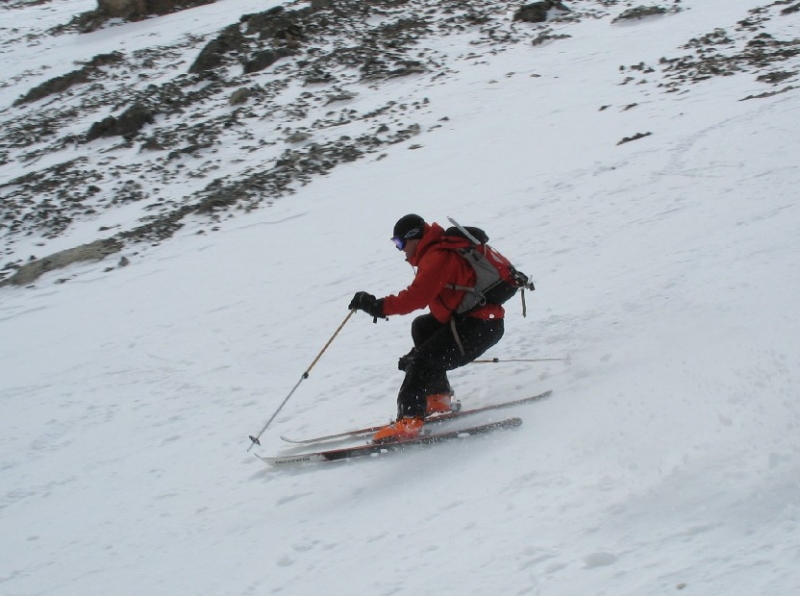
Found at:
(95, 251)
(127, 125)
(538, 11)
(132, 10)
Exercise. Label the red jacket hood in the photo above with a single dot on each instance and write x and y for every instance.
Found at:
(431, 235)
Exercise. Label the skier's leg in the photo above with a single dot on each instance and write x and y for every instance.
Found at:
(423, 327)
(426, 370)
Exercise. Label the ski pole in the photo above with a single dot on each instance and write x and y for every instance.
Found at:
(254, 440)
(503, 361)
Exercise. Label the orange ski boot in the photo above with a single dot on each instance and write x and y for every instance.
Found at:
(405, 428)
(438, 403)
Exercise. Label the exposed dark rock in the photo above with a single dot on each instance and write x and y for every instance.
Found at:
(298, 137)
(263, 59)
(636, 137)
(64, 82)
(55, 85)
(547, 36)
(278, 24)
(538, 11)
(160, 7)
(94, 251)
(130, 10)
(776, 77)
(791, 9)
(640, 12)
(229, 41)
(770, 93)
(127, 125)
(712, 57)
(123, 9)
(239, 96)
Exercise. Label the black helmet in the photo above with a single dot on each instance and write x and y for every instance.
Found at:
(408, 227)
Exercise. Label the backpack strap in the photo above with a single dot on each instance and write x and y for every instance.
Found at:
(456, 336)
(481, 298)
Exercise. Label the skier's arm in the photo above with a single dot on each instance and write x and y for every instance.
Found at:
(428, 283)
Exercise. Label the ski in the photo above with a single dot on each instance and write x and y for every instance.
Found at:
(373, 449)
(353, 434)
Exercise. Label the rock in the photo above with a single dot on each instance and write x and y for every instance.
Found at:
(123, 9)
(94, 251)
(297, 137)
(239, 96)
(263, 59)
(538, 11)
(138, 9)
(127, 125)
(229, 41)
(636, 137)
(130, 10)
(641, 12)
(64, 82)
(278, 24)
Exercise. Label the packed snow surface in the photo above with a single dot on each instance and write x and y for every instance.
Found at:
(667, 268)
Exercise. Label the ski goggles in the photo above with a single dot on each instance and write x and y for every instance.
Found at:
(400, 243)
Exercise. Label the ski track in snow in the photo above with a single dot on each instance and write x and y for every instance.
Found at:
(667, 460)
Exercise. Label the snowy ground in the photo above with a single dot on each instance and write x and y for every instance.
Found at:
(666, 462)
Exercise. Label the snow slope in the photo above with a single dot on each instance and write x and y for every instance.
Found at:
(666, 462)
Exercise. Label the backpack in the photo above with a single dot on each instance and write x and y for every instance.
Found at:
(497, 280)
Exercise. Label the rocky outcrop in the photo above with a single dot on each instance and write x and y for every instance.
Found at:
(61, 83)
(94, 251)
(127, 125)
(131, 10)
(123, 9)
(283, 28)
(230, 41)
(219, 125)
(538, 12)
(138, 9)
(642, 12)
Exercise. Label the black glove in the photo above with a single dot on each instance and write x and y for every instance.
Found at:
(368, 303)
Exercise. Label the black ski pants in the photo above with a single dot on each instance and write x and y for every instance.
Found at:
(439, 347)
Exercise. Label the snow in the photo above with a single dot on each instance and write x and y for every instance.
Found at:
(667, 460)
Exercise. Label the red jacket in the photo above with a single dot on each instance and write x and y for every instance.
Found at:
(437, 268)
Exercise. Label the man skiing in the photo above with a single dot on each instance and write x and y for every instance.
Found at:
(443, 340)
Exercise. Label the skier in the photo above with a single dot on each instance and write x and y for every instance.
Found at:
(442, 339)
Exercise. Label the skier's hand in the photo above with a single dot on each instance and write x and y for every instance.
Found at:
(368, 303)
